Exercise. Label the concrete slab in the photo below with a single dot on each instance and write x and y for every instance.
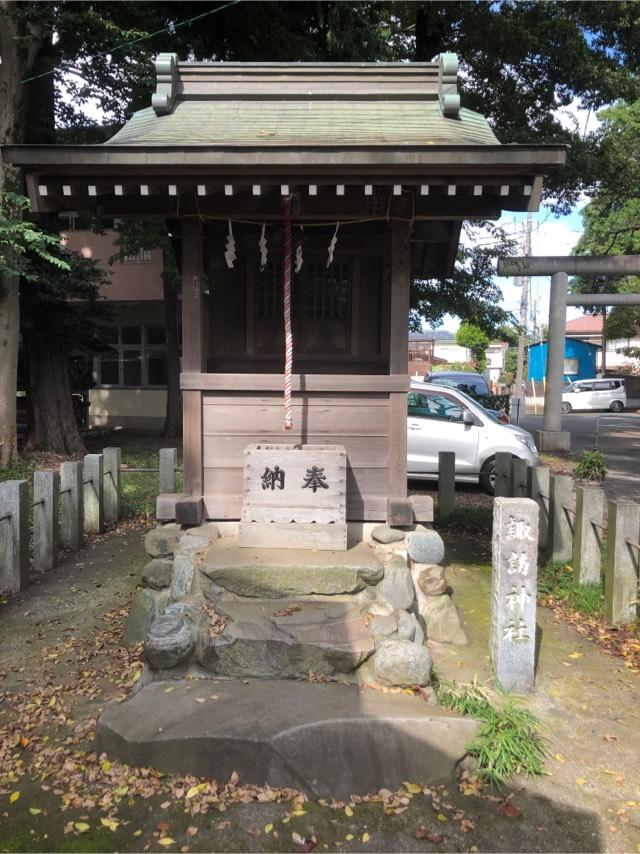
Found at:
(328, 739)
(278, 573)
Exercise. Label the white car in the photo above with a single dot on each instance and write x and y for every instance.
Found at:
(608, 393)
(441, 418)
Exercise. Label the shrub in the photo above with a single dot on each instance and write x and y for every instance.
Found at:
(591, 466)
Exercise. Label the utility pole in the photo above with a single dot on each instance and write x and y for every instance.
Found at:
(524, 306)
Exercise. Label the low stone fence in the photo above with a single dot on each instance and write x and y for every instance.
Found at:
(83, 497)
(571, 528)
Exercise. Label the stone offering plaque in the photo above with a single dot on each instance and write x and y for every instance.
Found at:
(294, 496)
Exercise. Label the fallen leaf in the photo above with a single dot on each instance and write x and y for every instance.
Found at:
(608, 737)
(195, 790)
(234, 779)
(576, 655)
(222, 825)
(560, 757)
(348, 811)
(111, 823)
(413, 788)
(442, 817)
(82, 826)
(365, 837)
(511, 810)
(137, 833)
(191, 831)
(268, 828)
(580, 781)
(466, 825)
(13, 797)
(106, 765)
(423, 833)
(349, 837)
(34, 810)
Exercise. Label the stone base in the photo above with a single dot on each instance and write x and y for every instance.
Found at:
(548, 441)
(327, 739)
(294, 535)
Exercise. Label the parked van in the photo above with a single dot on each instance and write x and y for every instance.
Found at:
(441, 418)
(608, 393)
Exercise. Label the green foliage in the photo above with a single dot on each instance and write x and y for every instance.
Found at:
(509, 741)
(475, 339)
(556, 579)
(21, 241)
(62, 305)
(590, 466)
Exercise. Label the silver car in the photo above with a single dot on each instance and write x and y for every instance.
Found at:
(441, 418)
(607, 393)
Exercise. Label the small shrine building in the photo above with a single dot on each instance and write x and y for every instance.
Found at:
(306, 198)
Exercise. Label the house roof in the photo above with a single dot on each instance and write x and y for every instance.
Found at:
(588, 324)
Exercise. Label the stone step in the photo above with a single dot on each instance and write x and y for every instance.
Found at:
(278, 573)
(290, 638)
(329, 740)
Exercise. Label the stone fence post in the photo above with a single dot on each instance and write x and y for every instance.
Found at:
(514, 577)
(71, 506)
(446, 482)
(621, 572)
(561, 513)
(518, 478)
(112, 484)
(14, 535)
(587, 535)
(168, 466)
(538, 489)
(93, 497)
(503, 475)
(46, 501)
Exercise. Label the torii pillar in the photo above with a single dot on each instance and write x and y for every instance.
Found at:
(552, 437)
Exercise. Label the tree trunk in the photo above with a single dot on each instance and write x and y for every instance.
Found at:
(52, 423)
(173, 418)
(19, 47)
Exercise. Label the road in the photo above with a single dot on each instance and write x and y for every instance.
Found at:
(619, 439)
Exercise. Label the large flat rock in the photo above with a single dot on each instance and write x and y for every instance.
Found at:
(327, 739)
(287, 639)
(278, 573)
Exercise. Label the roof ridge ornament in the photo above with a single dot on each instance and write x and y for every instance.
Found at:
(448, 85)
(164, 98)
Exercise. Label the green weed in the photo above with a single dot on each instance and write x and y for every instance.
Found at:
(509, 741)
(590, 466)
(556, 579)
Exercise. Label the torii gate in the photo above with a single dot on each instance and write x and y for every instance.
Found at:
(552, 437)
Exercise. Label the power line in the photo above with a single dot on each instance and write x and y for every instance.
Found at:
(169, 29)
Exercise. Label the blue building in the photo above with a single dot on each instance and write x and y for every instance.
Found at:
(579, 360)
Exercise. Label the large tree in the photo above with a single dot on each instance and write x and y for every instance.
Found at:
(63, 314)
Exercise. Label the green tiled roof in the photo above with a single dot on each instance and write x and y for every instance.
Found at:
(265, 123)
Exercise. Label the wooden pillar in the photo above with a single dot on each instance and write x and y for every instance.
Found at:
(193, 352)
(399, 354)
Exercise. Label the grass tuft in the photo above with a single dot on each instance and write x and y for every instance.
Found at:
(510, 740)
(556, 580)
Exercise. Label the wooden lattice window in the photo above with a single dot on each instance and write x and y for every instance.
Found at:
(328, 290)
(270, 291)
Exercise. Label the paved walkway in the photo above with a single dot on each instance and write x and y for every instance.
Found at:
(618, 437)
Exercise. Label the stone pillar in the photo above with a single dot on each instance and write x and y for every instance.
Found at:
(538, 488)
(587, 536)
(168, 463)
(620, 578)
(46, 498)
(519, 478)
(561, 513)
(71, 513)
(112, 484)
(446, 482)
(552, 437)
(512, 641)
(503, 474)
(93, 498)
(14, 535)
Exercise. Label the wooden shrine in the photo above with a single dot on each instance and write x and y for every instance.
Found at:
(378, 165)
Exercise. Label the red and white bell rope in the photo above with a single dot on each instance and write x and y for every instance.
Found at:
(288, 335)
